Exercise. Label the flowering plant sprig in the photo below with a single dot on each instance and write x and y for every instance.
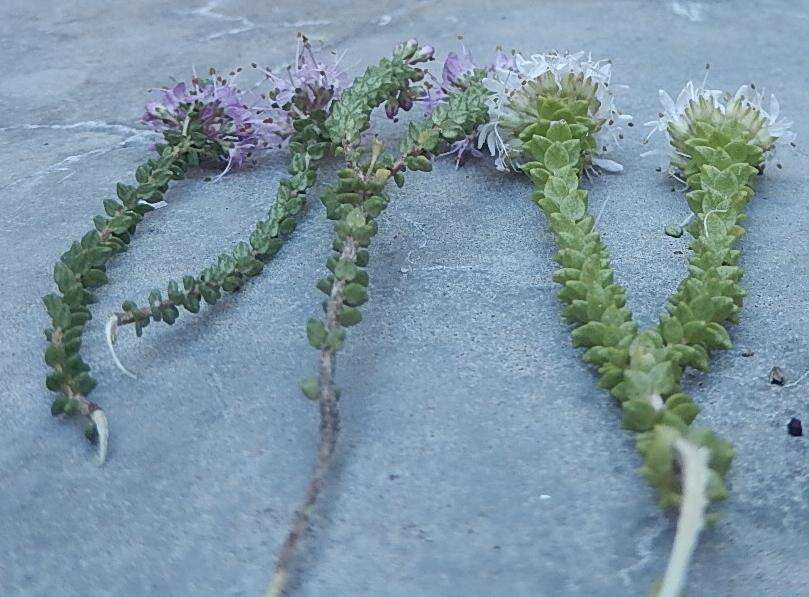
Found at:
(459, 73)
(201, 121)
(550, 123)
(302, 96)
(354, 202)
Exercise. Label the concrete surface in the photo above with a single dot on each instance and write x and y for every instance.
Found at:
(476, 457)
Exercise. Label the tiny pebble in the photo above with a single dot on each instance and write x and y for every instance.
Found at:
(794, 427)
(747, 353)
(776, 376)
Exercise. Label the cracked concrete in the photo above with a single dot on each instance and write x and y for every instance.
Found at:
(477, 456)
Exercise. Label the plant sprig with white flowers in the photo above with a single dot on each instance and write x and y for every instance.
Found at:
(552, 117)
(354, 202)
(206, 120)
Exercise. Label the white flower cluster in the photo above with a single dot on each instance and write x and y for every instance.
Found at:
(746, 107)
(513, 101)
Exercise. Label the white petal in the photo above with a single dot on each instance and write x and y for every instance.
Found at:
(668, 103)
(608, 165)
(775, 108)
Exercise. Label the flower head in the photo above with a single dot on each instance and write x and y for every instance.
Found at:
(572, 83)
(223, 122)
(308, 84)
(699, 112)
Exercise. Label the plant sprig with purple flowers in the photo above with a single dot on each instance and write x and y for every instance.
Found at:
(301, 98)
(203, 121)
(458, 74)
(354, 202)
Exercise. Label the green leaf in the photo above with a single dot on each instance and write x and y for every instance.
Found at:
(639, 415)
(573, 208)
(58, 405)
(72, 407)
(356, 218)
(335, 339)
(638, 384)
(345, 270)
(350, 316)
(63, 276)
(671, 329)
(54, 355)
(556, 189)
(93, 278)
(355, 295)
(310, 388)
(84, 384)
(316, 332)
(325, 285)
(556, 157)
(664, 378)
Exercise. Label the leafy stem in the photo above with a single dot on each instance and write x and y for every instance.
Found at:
(643, 369)
(354, 202)
(82, 268)
(233, 269)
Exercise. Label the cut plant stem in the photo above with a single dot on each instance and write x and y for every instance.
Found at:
(111, 334)
(329, 428)
(695, 475)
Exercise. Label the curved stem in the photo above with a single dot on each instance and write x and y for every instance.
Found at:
(111, 334)
(694, 462)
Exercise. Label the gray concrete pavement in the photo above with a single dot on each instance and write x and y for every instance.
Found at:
(477, 456)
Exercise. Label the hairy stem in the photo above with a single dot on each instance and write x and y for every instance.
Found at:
(329, 428)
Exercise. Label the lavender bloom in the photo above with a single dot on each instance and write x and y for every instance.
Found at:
(504, 61)
(233, 124)
(427, 53)
(463, 148)
(431, 97)
(308, 85)
(456, 68)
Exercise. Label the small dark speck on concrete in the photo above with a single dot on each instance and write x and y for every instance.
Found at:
(393, 477)
(776, 376)
(794, 427)
(747, 353)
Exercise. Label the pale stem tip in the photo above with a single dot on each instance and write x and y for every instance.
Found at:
(276, 587)
(103, 429)
(111, 330)
(695, 475)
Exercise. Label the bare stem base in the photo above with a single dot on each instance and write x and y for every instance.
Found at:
(694, 461)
